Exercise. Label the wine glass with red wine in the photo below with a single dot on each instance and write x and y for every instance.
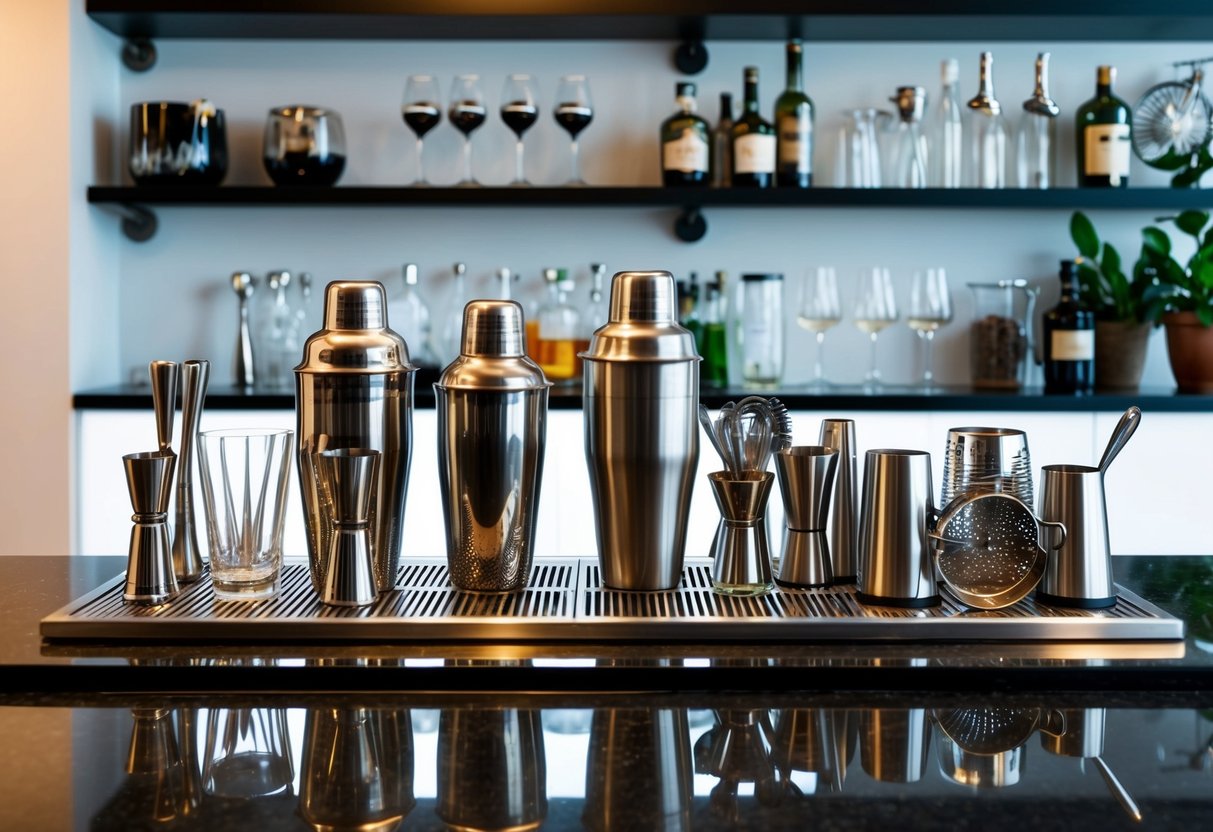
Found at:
(519, 111)
(467, 113)
(574, 112)
(422, 110)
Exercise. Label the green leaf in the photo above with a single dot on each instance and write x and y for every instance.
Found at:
(1082, 232)
(1156, 240)
(1205, 315)
(1109, 264)
(1187, 178)
(1192, 222)
(1202, 271)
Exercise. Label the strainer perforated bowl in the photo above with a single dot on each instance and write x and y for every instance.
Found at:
(987, 549)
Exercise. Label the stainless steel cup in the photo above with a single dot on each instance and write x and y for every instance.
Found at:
(641, 395)
(345, 477)
(986, 459)
(895, 552)
(150, 578)
(806, 481)
(741, 556)
(638, 772)
(492, 429)
(1079, 573)
(843, 526)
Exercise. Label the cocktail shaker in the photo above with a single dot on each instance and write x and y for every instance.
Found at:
(354, 389)
(641, 395)
(492, 420)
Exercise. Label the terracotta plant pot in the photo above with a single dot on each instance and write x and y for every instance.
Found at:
(1190, 350)
(1120, 354)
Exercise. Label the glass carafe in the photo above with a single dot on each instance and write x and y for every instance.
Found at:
(1000, 336)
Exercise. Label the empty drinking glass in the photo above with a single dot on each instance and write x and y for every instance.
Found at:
(858, 160)
(819, 311)
(875, 309)
(422, 110)
(467, 113)
(930, 308)
(519, 111)
(574, 112)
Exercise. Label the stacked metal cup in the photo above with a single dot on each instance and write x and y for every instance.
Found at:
(806, 481)
(492, 430)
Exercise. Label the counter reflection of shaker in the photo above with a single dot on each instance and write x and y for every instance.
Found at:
(492, 414)
(354, 389)
(641, 396)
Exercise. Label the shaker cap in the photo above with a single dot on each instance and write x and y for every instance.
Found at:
(492, 352)
(643, 323)
(355, 337)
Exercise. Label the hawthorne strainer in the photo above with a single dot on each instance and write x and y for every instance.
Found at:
(987, 549)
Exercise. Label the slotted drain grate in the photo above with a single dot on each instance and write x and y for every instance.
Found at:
(566, 601)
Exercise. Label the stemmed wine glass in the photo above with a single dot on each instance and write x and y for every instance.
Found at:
(930, 308)
(467, 113)
(519, 111)
(819, 311)
(875, 308)
(422, 111)
(574, 112)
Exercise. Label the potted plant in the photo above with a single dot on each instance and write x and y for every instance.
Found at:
(1181, 298)
(1122, 329)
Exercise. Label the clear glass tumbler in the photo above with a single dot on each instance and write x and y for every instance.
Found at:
(762, 330)
(245, 475)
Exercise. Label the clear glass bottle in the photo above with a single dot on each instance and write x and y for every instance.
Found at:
(910, 146)
(447, 348)
(762, 330)
(987, 133)
(722, 144)
(794, 126)
(689, 315)
(686, 143)
(275, 355)
(595, 312)
(753, 141)
(409, 316)
(1036, 139)
(945, 132)
(712, 339)
(559, 328)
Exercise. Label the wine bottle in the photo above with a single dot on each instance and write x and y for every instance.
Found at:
(753, 141)
(794, 126)
(1104, 136)
(686, 148)
(1069, 340)
(722, 144)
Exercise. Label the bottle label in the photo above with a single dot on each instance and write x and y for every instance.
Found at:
(754, 153)
(1107, 149)
(795, 144)
(1072, 345)
(688, 153)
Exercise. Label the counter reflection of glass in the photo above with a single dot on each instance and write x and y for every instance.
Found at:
(422, 110)
(574, 111)
(819, 312)
(875, 309)
(248, 753)
(930, 308)
(519, 111)
(467, 113)
(638, 771)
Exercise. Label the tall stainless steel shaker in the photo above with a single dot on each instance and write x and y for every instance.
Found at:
(492, 429)
(641, 394)
(354, 389)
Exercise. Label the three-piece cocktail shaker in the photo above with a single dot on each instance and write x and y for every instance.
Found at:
(640, 400)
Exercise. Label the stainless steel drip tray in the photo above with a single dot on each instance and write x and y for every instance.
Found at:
(567, 602)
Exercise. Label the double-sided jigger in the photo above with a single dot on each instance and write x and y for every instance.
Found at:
(149, 568)
(345, 478)
(806, 481)
(741, 557)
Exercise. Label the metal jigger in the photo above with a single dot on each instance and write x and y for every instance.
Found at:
(806, 481)
(346, 477)
(150, 578)
(741, 557)
(187, 557)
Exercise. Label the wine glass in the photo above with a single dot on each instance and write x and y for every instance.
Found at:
(875, 308)
(467, 113)
(573, 112)
(519, 111)
(819, 311)
(930, 308)
(422, 111)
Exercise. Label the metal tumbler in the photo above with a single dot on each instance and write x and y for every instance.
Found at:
(492, 428)
(896, 567)
(641, 396)
(843, 526)
(354, 389)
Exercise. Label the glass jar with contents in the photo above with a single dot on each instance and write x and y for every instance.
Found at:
(761, 329)
(559, 328)
(1000, 336)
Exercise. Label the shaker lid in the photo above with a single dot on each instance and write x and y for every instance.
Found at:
(492, 352)
(355, 337)
(642, 324)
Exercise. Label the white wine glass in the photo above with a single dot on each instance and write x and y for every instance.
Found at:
(422, 110)
(875, 309)
(467, 113)
(574, 111)
(818, 312)
(930, 308)
(519, 111)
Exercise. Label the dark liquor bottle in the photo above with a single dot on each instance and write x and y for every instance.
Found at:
(722, 144)
(1069, 339)
(753, 141)
(686, 155)
(1104, 136)
(794, 126)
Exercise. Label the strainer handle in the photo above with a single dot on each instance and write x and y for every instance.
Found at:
(1061, 530)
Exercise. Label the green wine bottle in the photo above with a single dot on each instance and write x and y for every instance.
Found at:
(794, 126)
(686, 143)
(753, 141)
(1104, 136)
